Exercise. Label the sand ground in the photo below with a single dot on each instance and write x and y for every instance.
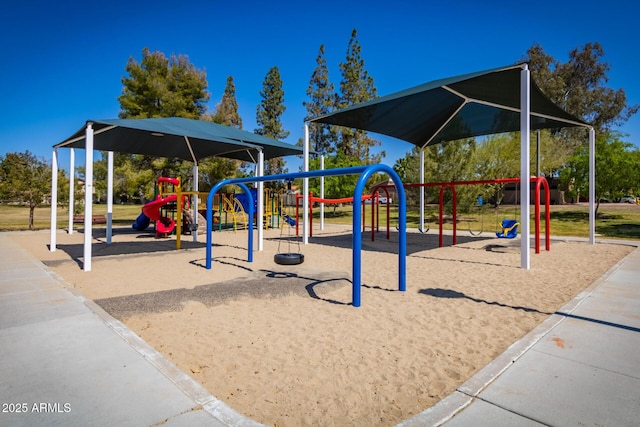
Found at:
(284, 346)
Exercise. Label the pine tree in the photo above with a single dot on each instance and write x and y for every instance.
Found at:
(214, 169)
(227, 109)
(323, 100)
(356, 86)
(161, 87)
(157, 87)
(268, 116)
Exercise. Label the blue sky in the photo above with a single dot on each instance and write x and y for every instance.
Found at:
(62, 62)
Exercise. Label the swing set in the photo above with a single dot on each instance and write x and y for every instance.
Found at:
(289, 257)
(508, 227)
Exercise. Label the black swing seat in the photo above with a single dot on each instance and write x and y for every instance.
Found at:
(509, 229)
(288, 259)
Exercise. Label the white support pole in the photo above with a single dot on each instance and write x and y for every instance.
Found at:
(305, 188)
(109, 196)
(194, 233)
(422, 201)
(592, 186)
(72, 180)
(260, 213)
(538, 153)
(54, 200)
(322, 194)
(88, 197)
(525, 153)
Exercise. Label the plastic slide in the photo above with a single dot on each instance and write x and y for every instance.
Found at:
(152, 211)
(141, 223)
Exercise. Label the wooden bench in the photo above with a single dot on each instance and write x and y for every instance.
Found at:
(96, 219)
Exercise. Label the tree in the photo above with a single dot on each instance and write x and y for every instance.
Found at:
(268, 116)
(323, 100)
(157, 87)
(214, 169)
(453, 161)
(26, 179)
(578, 86)
(497, 157)
(161, 87)
(356, 86)
(617, 171)
(227, 109)
(335, 187)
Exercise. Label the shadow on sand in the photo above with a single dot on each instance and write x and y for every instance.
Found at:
(258, 284)
(450, 293)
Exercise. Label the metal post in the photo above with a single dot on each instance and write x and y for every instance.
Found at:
(54, 200)
(305, 188)
(525, 111)
(260, 197)
(194, 204)
(538, 153)
(88, 197)
(72, 175)
(422, 201)
(109, 196)
(322, 194)
(592, 186)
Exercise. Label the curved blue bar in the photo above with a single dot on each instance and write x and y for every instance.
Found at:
(209, 218)
(356, 275)
(366, 172)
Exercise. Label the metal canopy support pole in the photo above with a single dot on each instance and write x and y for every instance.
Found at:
(196, 184)
(109, 196)
(260, 214)
(54, 200)
(72, 176)
(525, 152)
(592, 186)
(305, 188)
(421, 227)
(322, 194)
(538, 153)
(88, 197)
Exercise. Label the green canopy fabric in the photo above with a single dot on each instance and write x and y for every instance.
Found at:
(481, 103)
(177, 137)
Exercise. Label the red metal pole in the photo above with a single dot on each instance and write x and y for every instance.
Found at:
(363, 216)
(455, 214)
(547, 214)
(440, 215)
(297, 214)
(388, 217)
(310, 214)
(537, 214)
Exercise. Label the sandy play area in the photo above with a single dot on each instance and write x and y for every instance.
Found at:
(282, 344)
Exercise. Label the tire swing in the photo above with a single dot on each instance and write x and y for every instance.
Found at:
(289, 257)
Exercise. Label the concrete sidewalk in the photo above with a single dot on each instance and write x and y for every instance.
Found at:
(580, 367)
(66, 362)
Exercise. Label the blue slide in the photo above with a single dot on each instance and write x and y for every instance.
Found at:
(141, 223)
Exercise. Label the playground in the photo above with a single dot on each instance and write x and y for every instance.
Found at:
(374, 326)
(283, 345)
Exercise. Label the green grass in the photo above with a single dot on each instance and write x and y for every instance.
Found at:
(616, 221)
(14, 218)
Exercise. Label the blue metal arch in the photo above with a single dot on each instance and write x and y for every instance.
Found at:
(365, 173)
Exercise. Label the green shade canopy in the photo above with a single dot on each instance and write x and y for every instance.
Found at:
(475, 104)
(176, 137)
